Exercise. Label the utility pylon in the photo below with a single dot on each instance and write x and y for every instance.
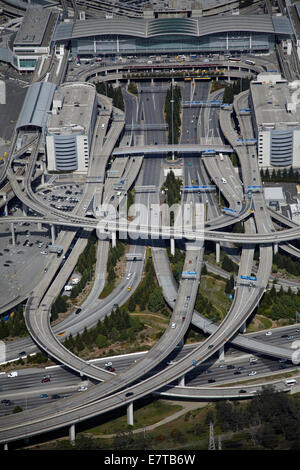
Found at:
(211, 444)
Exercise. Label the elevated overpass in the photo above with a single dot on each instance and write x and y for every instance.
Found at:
(180, 149)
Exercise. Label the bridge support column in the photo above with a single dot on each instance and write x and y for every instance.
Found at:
(130, 413)
(39, 226)
(13, 234)
(181, 382)
(5, 447)
(275, 248)
(128, 81)
(113, 239)
(218, 252)
(172, 246)
(243, 328)
(152, 81)
(221, 354)
(52, 234)
(24, 209)
(72, 434)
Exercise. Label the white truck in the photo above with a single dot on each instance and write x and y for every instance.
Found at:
(74, 281)
(67, 288)
(14, 373)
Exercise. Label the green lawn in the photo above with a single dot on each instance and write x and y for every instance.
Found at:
(144, 416)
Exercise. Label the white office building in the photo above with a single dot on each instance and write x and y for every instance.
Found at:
(276, 120)
(70, 128)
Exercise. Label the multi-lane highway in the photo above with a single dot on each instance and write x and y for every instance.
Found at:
(146, 375)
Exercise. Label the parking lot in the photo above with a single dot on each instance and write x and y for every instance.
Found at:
(21, 264)
(64, 197)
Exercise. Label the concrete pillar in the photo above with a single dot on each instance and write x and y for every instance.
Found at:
(172, 246)
(221, 354)
(72, 433)
(113, 239)
(13, 234)
(182, 381)
(5, 446)
(152, 81)
(39, 226)
(128, 81)
(24, 209)
(130, 414)
(275, 248)
(6, 208)
(243, 328)
(218, 252)
(52, 234)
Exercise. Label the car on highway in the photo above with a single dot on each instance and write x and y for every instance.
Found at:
(237, 372)
(6, 402)
(44, 395)
(110, 369)
(253, 372)
(22, 354)
(210, 381)
(45, 379)
(242, 391)
(82, 388)
(77, 311)
(173, 325)
(290, 337)
(268, 333)
(128, 394)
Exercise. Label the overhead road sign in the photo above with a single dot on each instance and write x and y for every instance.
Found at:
(188, 275)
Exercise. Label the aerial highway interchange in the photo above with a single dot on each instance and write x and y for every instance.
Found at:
(132, 146)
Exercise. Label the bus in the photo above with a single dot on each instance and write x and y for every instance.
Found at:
(203, 77)
(234, 59)
(187, 79)
(290, 382)
(249, 62)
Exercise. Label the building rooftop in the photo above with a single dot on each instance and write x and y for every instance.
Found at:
(37, 28)
(36, 105)
(74, 104)
(147, 28)
(274, 194)
(271, 100)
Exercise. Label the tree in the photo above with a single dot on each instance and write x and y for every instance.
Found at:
(156, 300)
(229, 285)
(101, 341)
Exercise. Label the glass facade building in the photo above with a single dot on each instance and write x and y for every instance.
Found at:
(232, 42)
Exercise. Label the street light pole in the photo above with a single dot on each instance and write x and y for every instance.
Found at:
(172, 116)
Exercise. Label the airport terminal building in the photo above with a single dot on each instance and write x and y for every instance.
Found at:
(42, 29)
(203, 35)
